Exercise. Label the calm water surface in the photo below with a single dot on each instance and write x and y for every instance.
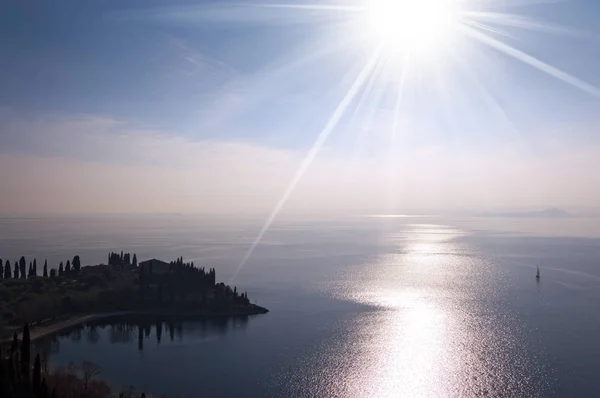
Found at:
(363, 308)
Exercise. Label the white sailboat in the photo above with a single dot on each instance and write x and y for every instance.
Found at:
(537, 275)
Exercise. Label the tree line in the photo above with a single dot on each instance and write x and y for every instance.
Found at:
(122, 260)
(183, 281)
(21, 271)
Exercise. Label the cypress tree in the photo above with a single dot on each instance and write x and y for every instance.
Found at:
(26, 355)
(7, 272)
(15, 343)
(60, 269)
(45, 268)
(22, 267)
(34, 267)
(30, 270)
(134, 260)
(36, 381)
(1, 269)
(16, 274)
(68, 267)
(76, 263)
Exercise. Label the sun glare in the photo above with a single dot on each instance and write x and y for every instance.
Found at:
(405, 45)
(413, 25)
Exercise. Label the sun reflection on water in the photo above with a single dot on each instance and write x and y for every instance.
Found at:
(429, 332)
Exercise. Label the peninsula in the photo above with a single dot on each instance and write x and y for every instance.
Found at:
(63, 297)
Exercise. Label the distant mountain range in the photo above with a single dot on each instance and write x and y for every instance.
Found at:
(546, 213)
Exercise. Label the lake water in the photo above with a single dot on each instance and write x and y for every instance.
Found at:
(423, 306)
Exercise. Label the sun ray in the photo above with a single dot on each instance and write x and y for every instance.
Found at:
(487, 96)
(361, 79)
(363, 100)
(368, 89)
(487, 28)
(412, 37)
(532, 61)
(518, 21)
(401, 85)
(314, 7)
(363, 129)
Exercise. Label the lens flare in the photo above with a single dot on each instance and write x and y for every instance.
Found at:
(413, 26)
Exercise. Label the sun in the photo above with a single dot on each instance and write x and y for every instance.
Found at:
(415, 26)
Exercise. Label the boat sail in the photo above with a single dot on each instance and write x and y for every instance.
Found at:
(537, 275)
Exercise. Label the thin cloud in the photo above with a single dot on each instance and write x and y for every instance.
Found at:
(93, 164)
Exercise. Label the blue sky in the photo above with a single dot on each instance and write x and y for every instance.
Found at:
(78, 75)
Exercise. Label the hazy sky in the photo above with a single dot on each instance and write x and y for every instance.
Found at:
(214, 106)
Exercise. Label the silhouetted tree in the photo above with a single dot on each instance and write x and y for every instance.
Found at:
(45, 268)
(7, 272)
(36, 380)
(1, 275)
(134, 260)
(76, 264)
(30, 270)
(61, 270)
(53, 273)
(68, 267)
(16, 272)
(22, 267)
(126, 260)
(26, 355)
(15, 344)
(121, 258)
(89, 370)
(34, 267)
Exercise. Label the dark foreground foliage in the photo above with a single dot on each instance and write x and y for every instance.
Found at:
(20, 379)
